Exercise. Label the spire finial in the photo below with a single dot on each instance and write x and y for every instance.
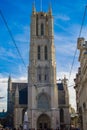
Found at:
(33, 8)
(65, 79)
(9, 78)
(50, 9)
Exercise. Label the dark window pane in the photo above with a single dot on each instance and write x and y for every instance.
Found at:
(38, 53)
(45, 53)
(42, 29)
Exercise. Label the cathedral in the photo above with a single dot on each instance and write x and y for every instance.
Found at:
(45, 101)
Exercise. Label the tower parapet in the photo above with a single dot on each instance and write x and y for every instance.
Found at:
(41, 23)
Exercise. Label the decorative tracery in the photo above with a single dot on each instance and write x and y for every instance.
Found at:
(43, 101)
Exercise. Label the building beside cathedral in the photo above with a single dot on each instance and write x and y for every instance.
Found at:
(81, 84)
(45, 100)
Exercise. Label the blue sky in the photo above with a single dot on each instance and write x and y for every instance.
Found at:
(67, 22)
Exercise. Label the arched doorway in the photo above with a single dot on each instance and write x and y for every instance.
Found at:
(43, 122)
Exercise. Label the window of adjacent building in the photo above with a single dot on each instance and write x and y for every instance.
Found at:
(42, 29)
(45, 53)
(38, 51)
(61, 115)
(43, 102)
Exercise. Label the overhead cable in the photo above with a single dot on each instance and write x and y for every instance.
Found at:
(11, 35)
(83, 19)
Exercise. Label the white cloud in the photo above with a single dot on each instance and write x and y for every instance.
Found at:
(3, 89)
(66, 44)
(62, 17)
(3, 93)
(24, 36)
(20, 79)
(63, 28)
(7, 52)
(3, 106)
(66, 49)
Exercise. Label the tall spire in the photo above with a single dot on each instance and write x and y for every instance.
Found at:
(33, 8)
(9, 83)
(50, 9)
(64, 80)
(9, 78)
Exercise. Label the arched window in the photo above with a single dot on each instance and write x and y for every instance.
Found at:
(43, 101)
(61, 115)
(42, 29)
(38, 52)
(45, 53)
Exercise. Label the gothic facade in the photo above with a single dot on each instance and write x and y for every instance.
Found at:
(45, 100)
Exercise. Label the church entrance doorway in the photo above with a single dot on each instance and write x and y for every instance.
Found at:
(43, 122)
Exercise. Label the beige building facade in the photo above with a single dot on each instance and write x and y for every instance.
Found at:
(81, 84)
(43, 109)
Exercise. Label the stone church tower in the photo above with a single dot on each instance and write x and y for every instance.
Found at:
(44, 100)
(42, 89)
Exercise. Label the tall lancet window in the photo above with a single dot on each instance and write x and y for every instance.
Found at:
(46, 74)
(45, 53)
(38, 52)
(39, 76)
(42, 29)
